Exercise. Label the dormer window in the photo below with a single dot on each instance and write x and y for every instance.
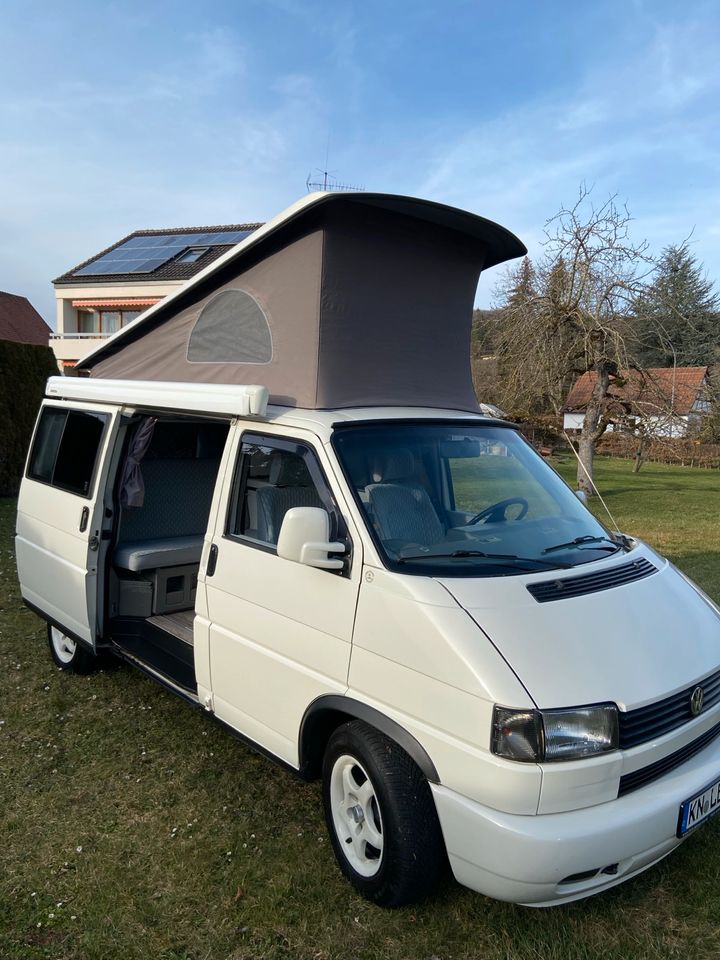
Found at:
(192, 254)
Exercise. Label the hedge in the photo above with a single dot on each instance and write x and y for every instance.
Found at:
(680, 450)
(24, 369)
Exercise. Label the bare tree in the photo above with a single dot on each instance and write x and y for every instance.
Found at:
(572, 318)
(537, 361)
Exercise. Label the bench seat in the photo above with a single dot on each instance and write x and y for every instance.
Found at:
(167, 552)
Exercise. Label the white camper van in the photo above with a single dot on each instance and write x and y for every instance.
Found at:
(275, 495)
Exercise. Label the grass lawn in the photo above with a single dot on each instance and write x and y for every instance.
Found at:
(674, 509)
(133, 827)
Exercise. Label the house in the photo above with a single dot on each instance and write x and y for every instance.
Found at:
(663, 401)
(113, 287)
(20, 322)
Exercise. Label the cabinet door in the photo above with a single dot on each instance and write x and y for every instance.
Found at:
(279, 632)
(60, 514)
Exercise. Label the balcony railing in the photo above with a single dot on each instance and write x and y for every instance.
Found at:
(71, 335)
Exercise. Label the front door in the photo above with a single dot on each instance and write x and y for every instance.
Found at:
(60, 510)
(279, 632)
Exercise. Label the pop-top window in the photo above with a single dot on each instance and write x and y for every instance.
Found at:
(231, 328)
(66, 448)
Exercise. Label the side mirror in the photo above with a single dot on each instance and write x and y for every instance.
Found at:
(582, 496)
(305, 538)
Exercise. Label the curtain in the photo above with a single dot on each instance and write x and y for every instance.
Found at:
(132, 486)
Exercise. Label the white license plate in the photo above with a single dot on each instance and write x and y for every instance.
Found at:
(699, 808)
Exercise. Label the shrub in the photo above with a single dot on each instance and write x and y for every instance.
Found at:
(544, 432)
(24, 369)
(684, 451)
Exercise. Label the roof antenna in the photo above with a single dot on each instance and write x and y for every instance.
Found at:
(329, 182)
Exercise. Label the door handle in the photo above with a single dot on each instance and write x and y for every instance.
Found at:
(84, 517)
(212, 561)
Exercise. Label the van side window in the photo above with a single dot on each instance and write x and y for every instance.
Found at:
(66, 448)
(270, 479)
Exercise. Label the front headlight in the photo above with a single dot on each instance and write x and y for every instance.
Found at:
(542, 736)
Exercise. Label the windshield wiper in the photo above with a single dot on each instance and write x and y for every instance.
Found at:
(579, 541)
(552, 564)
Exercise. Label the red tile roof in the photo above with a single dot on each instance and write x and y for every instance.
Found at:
(645, 390)
(20, 321)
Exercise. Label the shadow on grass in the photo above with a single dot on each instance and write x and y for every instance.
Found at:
(703, 568)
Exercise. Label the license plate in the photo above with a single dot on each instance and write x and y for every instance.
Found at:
(699, 808)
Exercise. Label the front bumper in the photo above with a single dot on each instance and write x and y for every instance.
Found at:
(525, 859)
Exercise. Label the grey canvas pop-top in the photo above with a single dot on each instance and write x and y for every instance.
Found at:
(344, 300)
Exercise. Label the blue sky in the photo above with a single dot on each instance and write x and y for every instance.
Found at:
(120, 116)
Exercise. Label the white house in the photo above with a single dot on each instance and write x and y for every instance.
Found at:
(665, 400)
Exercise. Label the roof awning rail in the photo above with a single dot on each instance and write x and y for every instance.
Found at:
(229, 399)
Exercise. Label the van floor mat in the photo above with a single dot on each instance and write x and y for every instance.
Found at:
(180, 624)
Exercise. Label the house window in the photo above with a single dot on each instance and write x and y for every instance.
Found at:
(109, 321)
(87, 321)
(104, 322)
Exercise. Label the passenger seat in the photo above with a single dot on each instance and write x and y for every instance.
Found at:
(400, 505)
(290, 486)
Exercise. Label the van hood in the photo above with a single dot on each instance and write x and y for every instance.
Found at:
(631, 644)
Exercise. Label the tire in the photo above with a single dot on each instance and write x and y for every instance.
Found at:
(381, 817)
(68, 654)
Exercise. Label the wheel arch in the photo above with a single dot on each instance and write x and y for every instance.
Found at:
(327, 712)
(51, 622)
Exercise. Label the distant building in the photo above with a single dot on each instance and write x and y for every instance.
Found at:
(20, 322)
(114, 286)
(664, 401)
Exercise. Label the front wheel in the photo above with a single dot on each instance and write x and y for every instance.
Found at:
(68, 654)
(381, 817)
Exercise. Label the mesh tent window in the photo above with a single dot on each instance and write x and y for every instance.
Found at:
(231, 328)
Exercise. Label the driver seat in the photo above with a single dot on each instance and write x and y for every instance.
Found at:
(400, 506)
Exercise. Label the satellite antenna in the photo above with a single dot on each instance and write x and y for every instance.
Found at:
(330, 183)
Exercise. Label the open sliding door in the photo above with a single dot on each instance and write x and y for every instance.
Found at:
(60, 513)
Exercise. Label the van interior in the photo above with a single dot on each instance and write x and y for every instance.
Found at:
(166, 470)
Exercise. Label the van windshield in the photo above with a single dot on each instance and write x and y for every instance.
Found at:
(456, 499)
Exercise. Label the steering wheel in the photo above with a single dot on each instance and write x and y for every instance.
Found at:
(497, 512)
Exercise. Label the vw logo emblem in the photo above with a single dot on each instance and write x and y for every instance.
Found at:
(696, 700)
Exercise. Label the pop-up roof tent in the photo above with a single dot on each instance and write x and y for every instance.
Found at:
(343, 300)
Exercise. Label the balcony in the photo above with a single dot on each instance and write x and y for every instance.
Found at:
(71, 347)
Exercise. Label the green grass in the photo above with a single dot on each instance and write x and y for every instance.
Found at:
(194, 848)
(674, 509)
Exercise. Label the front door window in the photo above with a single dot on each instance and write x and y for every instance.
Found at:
(273, 476)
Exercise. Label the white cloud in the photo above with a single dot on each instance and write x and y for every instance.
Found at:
(635, 128)
(216, 121)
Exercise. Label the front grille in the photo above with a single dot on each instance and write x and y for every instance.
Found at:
(646, 723)
(562, 589)
(640, 778)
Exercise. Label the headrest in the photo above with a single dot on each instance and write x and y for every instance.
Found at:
(288, 470)
(393, 465)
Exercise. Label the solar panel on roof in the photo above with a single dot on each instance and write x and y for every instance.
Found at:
(145, 254)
